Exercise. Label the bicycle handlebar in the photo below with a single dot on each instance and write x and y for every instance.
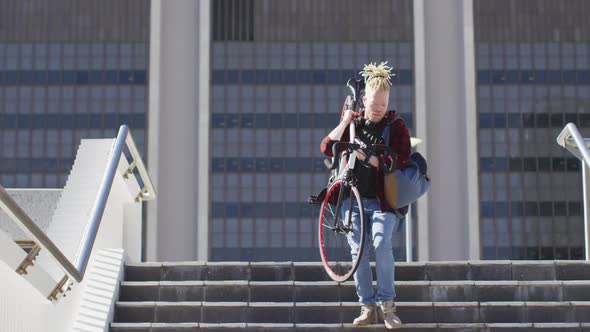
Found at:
(375, 149)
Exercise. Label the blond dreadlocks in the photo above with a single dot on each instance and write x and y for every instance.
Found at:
(377, 77)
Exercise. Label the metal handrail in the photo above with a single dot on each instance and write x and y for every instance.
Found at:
(11, 207)
(77, 271)
(571, 139)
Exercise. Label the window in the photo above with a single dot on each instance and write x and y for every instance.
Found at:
(233, 20)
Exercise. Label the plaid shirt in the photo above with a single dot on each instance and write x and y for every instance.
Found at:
(399, 141)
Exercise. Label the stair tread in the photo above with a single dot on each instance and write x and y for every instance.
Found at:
(406, 325)
(401, 264)
(351, 283)
(340, 304)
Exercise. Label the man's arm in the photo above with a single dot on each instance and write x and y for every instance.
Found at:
(336, 134)
(373, 160)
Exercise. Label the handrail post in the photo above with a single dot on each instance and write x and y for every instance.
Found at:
(586, 191)
(409, 237)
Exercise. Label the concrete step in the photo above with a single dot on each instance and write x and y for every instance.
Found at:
(479, 327)
(294, 296)
(344, 312)
(318, 291)
(313, 271)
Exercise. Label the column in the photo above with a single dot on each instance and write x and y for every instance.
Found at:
(178, 130)
(446, 119)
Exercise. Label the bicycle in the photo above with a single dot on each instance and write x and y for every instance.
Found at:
(335, 225)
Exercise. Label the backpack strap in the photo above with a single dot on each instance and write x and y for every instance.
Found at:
(386, 134)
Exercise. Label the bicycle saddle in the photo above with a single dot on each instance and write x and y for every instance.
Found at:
(357, 88)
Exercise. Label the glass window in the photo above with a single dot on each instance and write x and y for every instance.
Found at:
(525, 54)
(112, 56)
(52, 143)
(9, 143)
(261, 227)
(38, 140)
(22, 180)
(581, 51)
(540, 56)
(23, 145)
(553, 54)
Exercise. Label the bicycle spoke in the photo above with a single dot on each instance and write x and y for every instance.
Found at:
(330, 209)
(328, 226)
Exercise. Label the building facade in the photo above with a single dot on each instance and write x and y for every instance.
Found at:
(68, 70)
(532, 79)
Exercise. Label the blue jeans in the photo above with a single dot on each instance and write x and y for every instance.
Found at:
(378, 233)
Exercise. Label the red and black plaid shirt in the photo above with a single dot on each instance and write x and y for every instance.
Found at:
(399, 141)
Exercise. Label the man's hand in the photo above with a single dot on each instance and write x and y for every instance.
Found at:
(337, 132)
(349, 116)
(373, 160)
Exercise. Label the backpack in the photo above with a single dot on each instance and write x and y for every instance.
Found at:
(419, 184)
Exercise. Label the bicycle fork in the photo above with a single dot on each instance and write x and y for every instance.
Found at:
(345, 227)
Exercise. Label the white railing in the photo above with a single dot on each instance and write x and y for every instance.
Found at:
(571, 139)
(76, 270)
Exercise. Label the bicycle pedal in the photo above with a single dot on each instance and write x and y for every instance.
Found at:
(313, 200)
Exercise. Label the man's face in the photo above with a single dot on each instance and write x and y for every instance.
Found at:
(375, 104)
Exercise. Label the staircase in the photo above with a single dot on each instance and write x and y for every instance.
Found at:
(434, 296)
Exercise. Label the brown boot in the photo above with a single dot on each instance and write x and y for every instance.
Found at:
(386, 311)
(368, 315)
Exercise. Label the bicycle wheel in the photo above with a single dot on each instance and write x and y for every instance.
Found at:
(333, 231)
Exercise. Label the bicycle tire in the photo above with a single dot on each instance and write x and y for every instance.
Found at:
(333, 245)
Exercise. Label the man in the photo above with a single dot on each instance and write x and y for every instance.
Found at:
(381, 217)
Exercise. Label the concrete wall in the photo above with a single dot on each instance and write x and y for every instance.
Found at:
(39, 205)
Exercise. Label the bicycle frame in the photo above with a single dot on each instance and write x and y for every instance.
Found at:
(346, 175)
